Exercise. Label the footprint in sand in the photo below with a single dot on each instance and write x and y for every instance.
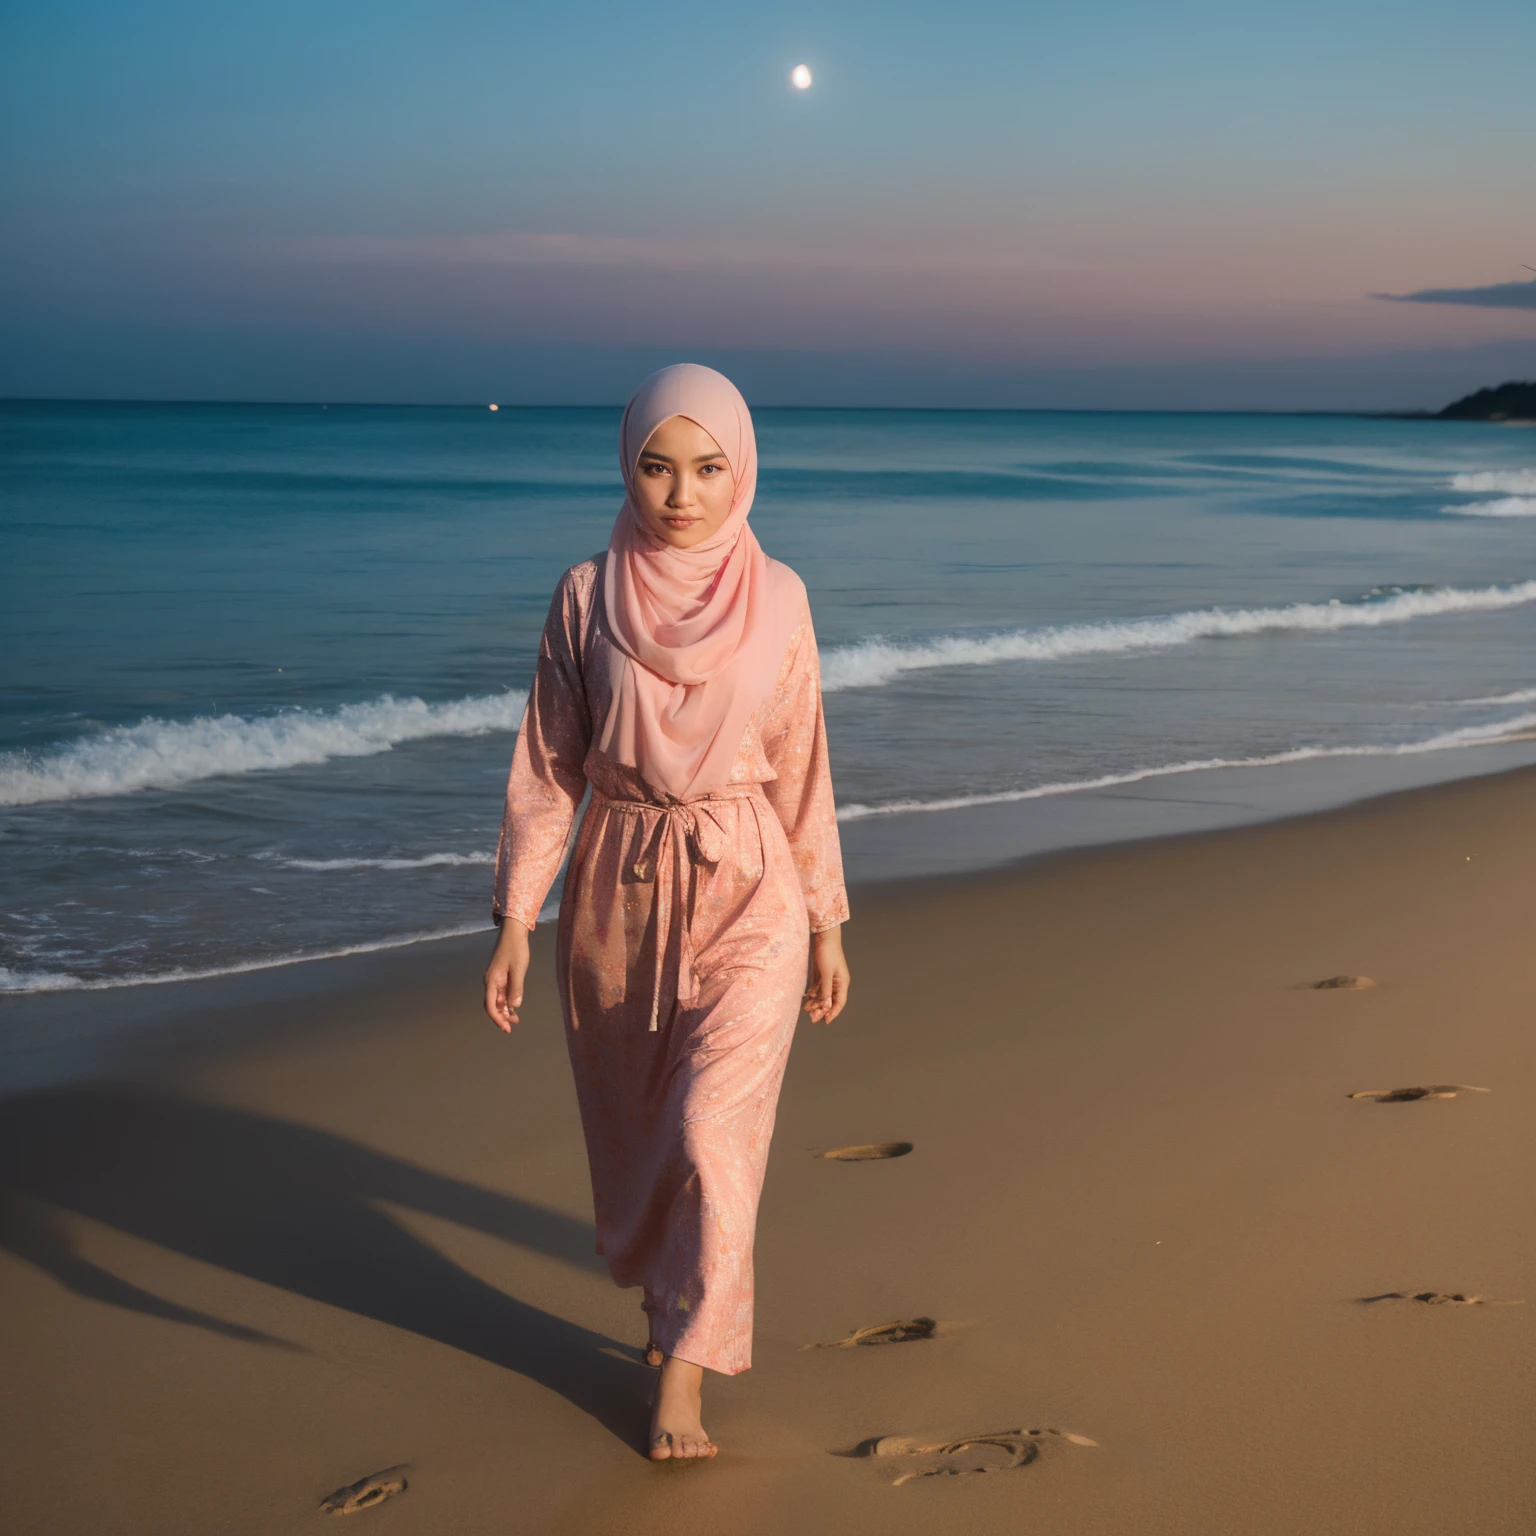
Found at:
(1342, 984)
(1409, 1095)
(903, 1332)
(1000, 1451)
(874, 1152)
(365, 1493)
(1438, 1299)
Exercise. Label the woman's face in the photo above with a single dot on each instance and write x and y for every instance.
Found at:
(683, 483)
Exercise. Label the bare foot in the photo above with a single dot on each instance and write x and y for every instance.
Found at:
(677, 1430)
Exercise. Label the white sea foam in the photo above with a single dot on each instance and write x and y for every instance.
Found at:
(163, 754)
(1516, 482)
(36, 981)
(873, 663)
(1465, 736)
(427, 861)
(63, 981)
(1519, 696)
(1505, 506)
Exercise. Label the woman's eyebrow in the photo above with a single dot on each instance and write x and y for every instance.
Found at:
(661, 458)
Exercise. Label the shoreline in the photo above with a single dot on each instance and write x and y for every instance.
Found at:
(991, 832)
(973, 832)
(58, 1035)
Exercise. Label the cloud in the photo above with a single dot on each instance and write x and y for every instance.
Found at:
(1496, 296)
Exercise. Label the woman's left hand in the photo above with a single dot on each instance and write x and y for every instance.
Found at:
(827, 994)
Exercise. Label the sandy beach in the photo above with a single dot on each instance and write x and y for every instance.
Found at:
(335, 1223)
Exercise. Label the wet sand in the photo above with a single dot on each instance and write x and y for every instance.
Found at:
(335, 1223)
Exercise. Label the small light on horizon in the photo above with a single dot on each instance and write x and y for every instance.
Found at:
(493, 407)
(800, 77)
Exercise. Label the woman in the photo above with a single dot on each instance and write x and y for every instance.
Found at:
(677, 677)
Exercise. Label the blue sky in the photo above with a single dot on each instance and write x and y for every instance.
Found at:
(1186, 204)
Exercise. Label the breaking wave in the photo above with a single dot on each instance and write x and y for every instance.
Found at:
(873, 663)
(164, 754)
(1505, 506)
(1516, 482)
(1465, 736)
(427, 861)
(1518, 487)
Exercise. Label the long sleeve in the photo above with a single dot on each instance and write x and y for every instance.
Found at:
(795, 743)
(547, 781)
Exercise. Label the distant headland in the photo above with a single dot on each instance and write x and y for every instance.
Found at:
(1506, 402)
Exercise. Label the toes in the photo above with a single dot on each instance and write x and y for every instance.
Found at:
(665, 1446)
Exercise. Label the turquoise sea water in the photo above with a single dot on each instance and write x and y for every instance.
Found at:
(263, 665)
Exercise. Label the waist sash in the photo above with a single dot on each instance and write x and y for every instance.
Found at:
(671, 839)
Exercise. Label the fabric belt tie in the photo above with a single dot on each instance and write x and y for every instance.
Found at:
(686, 833)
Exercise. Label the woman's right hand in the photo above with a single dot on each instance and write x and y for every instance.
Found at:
(505, 975)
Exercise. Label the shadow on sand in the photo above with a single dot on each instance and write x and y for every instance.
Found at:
(293, 1207)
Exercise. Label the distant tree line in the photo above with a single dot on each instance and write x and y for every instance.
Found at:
(1506, 402)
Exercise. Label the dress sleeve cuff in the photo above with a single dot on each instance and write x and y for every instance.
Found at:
(831, 915)
(498, 917)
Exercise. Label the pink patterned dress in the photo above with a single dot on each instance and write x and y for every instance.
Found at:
(683, 939)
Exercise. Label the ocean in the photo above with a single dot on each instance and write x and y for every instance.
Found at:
(263, 665)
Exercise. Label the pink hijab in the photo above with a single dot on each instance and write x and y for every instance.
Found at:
(698, 641)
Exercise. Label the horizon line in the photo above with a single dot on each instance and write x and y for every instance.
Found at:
(618, 405)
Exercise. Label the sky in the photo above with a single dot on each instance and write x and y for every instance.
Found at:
(1321, 205)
